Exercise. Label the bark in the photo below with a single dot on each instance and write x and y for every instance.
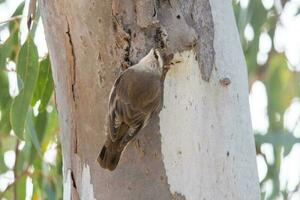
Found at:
(200, 146)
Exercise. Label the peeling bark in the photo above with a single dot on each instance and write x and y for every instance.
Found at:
(90, 42)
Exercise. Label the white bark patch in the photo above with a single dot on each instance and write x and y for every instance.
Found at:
(86, 190)
(179, 125)
(207, 143)
(67, 185)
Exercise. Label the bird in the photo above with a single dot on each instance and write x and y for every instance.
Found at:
(136, 95)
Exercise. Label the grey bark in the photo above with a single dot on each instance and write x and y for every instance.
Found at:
(89, 43)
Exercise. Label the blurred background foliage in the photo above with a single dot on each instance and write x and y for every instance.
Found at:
(273, 59)
(30, 157)
(30, 154)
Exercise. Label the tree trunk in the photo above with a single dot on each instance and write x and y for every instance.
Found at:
(200, 146)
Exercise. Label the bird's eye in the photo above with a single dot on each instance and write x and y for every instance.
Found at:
(155, 55)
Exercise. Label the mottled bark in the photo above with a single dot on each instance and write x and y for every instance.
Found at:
(209, 154)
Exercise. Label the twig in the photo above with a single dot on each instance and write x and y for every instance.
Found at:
(11, 19)
(31, 12)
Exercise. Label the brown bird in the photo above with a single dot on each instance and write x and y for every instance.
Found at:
(136, 95)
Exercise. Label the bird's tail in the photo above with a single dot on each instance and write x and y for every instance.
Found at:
(109, 156)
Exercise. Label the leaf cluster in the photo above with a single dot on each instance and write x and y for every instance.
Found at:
(28, 120)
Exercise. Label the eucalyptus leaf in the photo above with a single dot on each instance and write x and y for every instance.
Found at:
(49, 190)
(7, 48)
(18, 12)
(5, 104)
(30, 131)
(5, 125)
(40, 124)
(8, 142)
(27, 69)
(20, 83)
(23, 158)
(44, 87)
(21, 188)
(3, 167)
(4, 92)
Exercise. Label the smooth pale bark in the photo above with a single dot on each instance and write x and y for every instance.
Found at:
(200, 146)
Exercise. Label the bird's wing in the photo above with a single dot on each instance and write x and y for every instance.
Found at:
(131, 104)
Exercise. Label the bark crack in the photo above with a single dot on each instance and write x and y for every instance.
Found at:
(74, 191)
(72, 61)
(73, 179)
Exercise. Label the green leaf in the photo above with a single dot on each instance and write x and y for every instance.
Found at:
(30, 131)
(257, 16)
(3, 167)
(10, 47)
(5, 103)
(23, 157)
(20, 83)
(13, 28)
(49, 190)
(4, 50)
(5, 126)
(8, 143)
(21, 188)
(7, 48)
(51, 129)
(44, 87)
(287, 150)
(27, 69)
(18, 11)
(281, 88)
(40, 125)
(38, 181)
(9, 193)
(4, 92)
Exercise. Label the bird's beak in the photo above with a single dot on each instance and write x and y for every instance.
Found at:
(167, 67)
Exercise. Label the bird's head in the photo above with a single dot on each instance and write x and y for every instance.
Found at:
(157, 60)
